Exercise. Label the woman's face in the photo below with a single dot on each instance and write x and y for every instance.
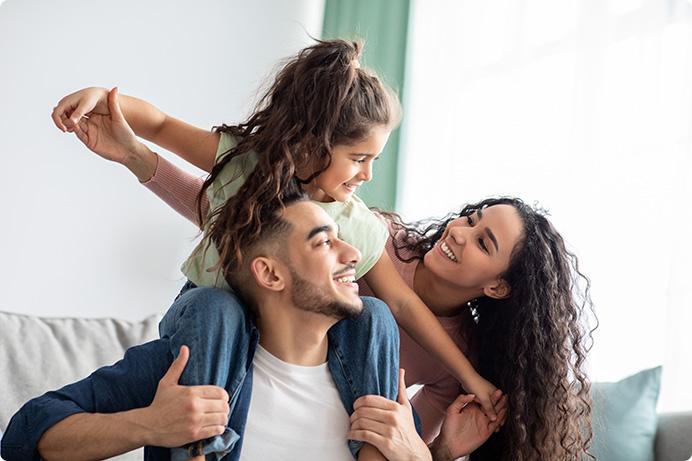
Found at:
(474, 250)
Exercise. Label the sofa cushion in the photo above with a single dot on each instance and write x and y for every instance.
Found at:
(624, 417)
(42, 354)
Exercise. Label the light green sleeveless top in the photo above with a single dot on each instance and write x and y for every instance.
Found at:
(357, 224)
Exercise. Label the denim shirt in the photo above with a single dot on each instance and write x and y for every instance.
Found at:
(110, 389)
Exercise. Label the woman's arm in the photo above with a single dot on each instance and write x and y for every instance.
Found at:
(191, 143)
(420, 323)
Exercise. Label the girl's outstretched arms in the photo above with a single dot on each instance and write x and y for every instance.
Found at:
(420, 323)
(191, 143)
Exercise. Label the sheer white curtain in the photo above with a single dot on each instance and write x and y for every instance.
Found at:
(586, 107)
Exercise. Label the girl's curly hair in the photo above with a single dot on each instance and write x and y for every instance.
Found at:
(533, 344)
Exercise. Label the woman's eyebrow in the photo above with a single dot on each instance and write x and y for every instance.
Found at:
(491, 236)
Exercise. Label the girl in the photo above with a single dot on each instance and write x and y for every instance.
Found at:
(531, 340)
(323, 122)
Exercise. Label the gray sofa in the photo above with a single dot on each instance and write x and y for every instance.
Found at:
(40, 354)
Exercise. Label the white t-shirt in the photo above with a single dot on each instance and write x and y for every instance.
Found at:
(295, 413)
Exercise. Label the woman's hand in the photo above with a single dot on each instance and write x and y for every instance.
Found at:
(73, 107)
(111, 137)
(466, 427)
(388, 426)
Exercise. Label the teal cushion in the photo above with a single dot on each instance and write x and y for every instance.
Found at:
(624, 417)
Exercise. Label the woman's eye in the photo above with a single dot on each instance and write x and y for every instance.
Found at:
(482, 245)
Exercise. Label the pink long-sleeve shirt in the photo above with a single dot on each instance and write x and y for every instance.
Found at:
(180, 190)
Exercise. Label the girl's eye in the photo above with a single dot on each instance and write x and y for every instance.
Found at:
(362, 160)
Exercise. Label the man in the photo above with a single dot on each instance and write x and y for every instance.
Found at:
(299, 279)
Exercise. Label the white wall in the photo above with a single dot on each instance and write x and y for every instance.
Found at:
(78, 235)
(586, 107)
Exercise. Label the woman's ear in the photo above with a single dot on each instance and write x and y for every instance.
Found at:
(267, 273)
(499, 289)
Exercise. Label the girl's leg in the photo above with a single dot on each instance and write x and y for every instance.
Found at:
(364, 356)
(214, 324)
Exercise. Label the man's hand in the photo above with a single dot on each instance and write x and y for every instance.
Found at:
(184, 414)
(466, 427)
(388, 426)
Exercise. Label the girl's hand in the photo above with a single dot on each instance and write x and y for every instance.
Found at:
(73, 107)
(466, 427)
(388, 426)
(112, 138)
(483, 390)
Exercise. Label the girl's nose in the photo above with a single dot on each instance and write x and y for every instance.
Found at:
(366, 172)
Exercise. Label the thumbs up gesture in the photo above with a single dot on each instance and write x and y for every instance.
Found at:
(184, 414)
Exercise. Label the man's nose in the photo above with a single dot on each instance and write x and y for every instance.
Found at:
(348, 253)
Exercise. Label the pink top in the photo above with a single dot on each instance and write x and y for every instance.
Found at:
(179, 189)
(440, 388)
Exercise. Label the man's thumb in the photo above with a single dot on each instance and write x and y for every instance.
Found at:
(461, 401)
(177, 367)
(402, 398)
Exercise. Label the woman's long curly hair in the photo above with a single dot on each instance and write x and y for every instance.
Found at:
(533, 344)
(320, 98)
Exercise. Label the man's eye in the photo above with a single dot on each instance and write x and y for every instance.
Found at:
(326, 242)
(469, 220)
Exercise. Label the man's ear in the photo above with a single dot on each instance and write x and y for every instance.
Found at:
(499, 289)
(268, 273)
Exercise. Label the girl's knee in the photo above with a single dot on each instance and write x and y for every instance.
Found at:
(207, 306)
(375, 311)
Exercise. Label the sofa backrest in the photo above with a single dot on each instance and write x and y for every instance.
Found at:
(39, 354)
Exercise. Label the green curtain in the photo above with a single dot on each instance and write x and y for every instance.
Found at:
(383, 25)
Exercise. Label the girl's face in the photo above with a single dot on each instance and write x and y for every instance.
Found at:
(351, 166)
(475, 250)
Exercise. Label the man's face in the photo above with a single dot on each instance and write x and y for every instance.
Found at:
(321, 267)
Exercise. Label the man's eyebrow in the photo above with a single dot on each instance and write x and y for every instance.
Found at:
(491, 236)
(317, 230)
(480, 213)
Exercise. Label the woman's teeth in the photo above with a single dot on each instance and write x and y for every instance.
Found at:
(445, 249)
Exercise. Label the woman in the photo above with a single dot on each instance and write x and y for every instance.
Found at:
(499, 278)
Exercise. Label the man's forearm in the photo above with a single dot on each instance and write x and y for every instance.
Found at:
(85, 436)
(439, 450)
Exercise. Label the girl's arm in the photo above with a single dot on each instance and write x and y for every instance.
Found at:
(420, 323)
(191, 143)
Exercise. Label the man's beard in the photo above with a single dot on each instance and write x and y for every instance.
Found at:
(308, 297)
